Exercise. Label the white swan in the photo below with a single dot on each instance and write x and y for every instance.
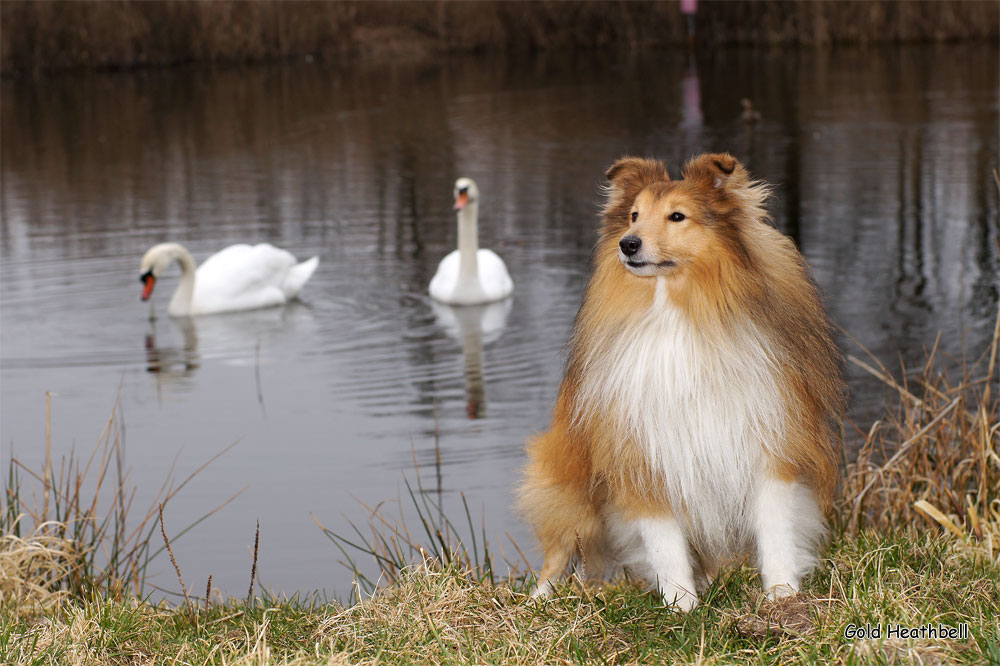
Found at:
(239, 277)
(469, 275)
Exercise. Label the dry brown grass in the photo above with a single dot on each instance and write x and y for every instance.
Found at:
(83, 535)
(32, 567)
(934, 457)
(793, 616)
(437, 615)
(431, 604)
(896, 651)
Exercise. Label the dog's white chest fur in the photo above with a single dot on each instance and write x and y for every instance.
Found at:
(705, 405)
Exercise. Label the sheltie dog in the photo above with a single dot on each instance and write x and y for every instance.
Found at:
(697, 421)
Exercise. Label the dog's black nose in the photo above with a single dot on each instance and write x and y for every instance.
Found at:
(630, 245)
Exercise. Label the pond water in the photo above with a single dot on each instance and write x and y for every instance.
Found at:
(882, 164)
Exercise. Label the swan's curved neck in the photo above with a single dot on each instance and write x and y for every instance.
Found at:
(180, 304)
(468, 244)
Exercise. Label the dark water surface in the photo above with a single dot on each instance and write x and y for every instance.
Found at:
(881, 161)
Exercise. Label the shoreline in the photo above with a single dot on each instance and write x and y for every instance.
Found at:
(941, 592)
(98, 35)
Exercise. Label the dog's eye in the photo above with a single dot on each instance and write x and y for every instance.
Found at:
(676, 217)
(635, 215)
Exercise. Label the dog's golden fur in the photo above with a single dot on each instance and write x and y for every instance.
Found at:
(730, 277)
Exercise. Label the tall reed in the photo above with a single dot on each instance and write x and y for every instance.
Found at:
(78, 534)
(934, 454)
(394, 548)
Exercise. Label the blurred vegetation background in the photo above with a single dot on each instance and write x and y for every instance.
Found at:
(113, 34)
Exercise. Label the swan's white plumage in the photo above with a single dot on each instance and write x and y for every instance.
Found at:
(245, 277)
(239, 277)
(495, 282)
(469, 275)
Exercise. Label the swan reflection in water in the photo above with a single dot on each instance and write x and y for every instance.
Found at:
(473, 326)
(234, 339)
(173, 362)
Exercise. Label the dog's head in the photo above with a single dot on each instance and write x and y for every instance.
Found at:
(662, 226)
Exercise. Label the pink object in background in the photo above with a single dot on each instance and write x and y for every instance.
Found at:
(689, 6)
(691, 110)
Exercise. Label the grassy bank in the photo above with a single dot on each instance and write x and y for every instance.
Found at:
(36, 36)
(440, 616)
(916, 543)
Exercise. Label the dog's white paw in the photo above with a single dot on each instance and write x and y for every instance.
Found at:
(678, 598)
(782, 591)
(543, 590)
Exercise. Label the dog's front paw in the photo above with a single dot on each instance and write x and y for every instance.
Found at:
(543, 590)
(782, 591)
(678, 597)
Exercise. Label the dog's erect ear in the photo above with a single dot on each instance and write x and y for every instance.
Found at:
(630, 175)
(719, 170)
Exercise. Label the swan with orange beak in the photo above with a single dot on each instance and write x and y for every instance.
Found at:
(470, 275)
(239, 277)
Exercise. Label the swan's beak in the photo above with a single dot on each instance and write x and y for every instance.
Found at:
(148, 281)
(461, 200)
